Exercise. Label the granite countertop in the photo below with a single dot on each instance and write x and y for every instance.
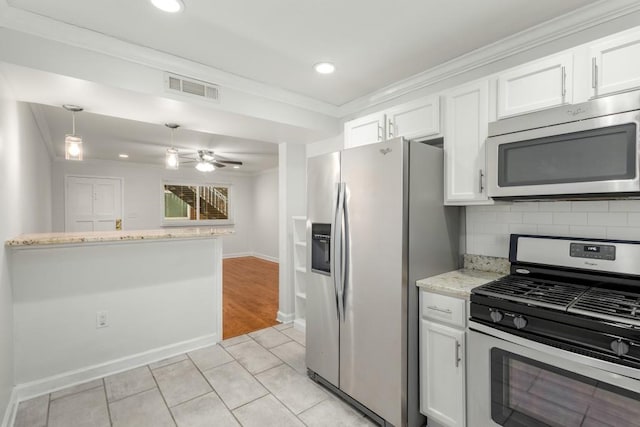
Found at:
(477, 271)
(45, 239)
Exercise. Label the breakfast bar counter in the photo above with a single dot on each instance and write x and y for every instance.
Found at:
(90, 304)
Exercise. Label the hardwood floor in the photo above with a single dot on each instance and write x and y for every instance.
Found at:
(249, 295)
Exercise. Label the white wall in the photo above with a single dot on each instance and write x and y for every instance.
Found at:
(265, 215)
(292, 202)
(25, 191)
(489, 227)
(325, 146)
(143, 199)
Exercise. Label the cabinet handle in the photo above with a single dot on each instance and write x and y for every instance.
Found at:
(390, 128)
(457, 354)
(564, 82)
(379, 133)
(480, 181)
(594, 73)
(441, 310)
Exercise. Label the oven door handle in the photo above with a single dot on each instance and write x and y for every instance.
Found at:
(573, 358)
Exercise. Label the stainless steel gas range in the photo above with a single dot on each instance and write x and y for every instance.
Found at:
(557, 342)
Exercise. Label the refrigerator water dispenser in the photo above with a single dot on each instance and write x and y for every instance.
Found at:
(321, 248)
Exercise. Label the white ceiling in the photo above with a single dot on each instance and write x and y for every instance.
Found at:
(372, 43)
(105, 137)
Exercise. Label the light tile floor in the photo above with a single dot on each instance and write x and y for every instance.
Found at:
(257, 379)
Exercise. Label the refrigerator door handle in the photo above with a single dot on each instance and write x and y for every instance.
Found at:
(339, 276)
(335, 249)
(345, 261)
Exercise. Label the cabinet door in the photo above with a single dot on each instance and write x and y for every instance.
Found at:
(415, 120)
(535, 86)
(464, 144)
(365, 130)
(442, 373)
(615, 64)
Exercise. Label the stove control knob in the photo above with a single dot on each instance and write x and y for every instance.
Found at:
(496, 316)
(619, 347)
(519, 322)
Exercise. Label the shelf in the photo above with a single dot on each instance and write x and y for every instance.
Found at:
(301, 295)
(299, 218)
(302, 244)
(301, 269)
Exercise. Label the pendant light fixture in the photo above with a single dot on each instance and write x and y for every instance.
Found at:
(172, 160)
(73, 142)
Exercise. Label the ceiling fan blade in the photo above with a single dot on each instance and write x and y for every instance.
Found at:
(230, 162)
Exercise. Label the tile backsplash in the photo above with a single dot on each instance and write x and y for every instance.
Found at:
(489, 227)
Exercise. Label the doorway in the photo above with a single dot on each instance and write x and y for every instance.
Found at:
(250, 295)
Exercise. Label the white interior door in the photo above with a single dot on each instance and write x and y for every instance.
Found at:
(93, 204)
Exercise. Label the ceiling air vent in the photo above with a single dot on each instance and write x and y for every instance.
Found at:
(188, 86)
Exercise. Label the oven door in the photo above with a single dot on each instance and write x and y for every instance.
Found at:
(515, 382)
(592, 156)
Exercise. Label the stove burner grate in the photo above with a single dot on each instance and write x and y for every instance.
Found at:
(609, 305)
(538, 292)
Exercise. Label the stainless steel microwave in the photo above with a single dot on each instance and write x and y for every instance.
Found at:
(575, 151)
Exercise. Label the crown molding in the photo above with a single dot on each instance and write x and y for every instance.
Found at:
(41, 26)
(573, 22)
(557, 28)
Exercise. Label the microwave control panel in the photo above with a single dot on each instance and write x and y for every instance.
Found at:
(593, 251)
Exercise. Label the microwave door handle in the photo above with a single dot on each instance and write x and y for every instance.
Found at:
(334, 250)
(481, 185)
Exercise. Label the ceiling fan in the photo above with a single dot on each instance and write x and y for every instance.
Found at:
(206, 160)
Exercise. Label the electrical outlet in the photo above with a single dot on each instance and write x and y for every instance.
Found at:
(101, 320)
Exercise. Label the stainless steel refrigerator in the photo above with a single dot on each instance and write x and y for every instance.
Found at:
(376, 223)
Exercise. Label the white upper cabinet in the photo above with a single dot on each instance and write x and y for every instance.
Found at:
(466, 127)
(365, 130)
(541, 84)
(414, 120)
(615, 64)
(417, 119)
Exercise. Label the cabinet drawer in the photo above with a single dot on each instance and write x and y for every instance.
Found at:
(444, 309)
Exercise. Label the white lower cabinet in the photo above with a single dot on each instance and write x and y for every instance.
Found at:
(442, 372)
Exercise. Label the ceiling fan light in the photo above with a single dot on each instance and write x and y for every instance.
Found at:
(205, 166)
(171, 159)
(72, 147)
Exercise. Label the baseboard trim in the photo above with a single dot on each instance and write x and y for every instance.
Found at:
(266, 257)
(237, 255)
(253, 254)
(67, 379)
(9, 418)
(300, 325)
(285, 317)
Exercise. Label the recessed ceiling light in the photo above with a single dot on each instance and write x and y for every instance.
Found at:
(123, 156)
(171, 6)
(325, 67)
(236, 167)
